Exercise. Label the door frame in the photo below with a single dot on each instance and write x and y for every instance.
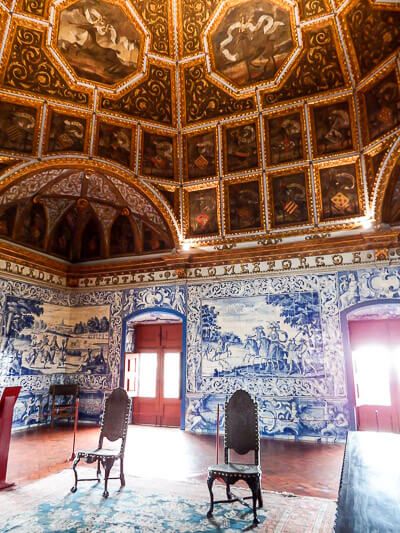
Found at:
(348, 358)
(154, 310)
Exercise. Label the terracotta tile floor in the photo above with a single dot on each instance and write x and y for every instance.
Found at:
(303, 468)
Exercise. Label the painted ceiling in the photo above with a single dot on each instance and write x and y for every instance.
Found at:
(230, 121)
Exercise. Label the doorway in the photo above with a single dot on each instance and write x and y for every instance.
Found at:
(375, 352)
(153, 374)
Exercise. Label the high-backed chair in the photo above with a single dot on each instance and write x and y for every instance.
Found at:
(114, 426)
(242, 436)
(62, 403)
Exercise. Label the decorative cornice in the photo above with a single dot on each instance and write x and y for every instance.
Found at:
(314, 255)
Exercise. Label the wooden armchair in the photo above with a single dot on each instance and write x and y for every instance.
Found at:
(62, 402)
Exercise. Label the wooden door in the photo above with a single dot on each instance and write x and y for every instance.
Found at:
(376, 369)
(158, 400)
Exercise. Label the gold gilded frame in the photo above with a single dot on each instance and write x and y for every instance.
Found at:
(36, 134)
(51, 110)
(235, 124)
(282, 114)
(353, 129)
(301, 169)
(226, 212)
(332, 221)
(186, 212)
(137, 25)
(118, 123)
(186, 137)
(161, 133)
(209, 31)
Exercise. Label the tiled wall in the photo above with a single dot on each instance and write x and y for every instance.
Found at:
(279, 337)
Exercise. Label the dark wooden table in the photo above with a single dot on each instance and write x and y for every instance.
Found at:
(369, 495)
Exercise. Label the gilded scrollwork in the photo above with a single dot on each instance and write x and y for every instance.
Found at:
(34, 7)
(318, 69)
(374, 33)
(313, 8)
(195, 16)
(29, 69)
(151, 99)
(204, 100)
(156, 15)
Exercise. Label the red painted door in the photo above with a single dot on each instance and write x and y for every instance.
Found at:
(376, 367)
(158, 400)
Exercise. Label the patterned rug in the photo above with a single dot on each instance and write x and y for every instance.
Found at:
(151, 506)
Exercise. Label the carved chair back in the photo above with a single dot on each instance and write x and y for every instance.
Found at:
(114, 424)
(241, 426)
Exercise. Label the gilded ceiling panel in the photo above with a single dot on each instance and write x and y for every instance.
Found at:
(339, 190)
(317, 70)
(151, 99)
(158, 155)
(116, 141)
(313, 8)
(374, 33)
(19, 127)
(290, 198)
(285, 138)
(29, 68)
(243, 205)
(194, 18)
(33, 7)
(157, 16)
(204, 100)
(380, 104)
(67, 132)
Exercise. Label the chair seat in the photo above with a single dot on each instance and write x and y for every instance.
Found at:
(235, 469)
(98, 454)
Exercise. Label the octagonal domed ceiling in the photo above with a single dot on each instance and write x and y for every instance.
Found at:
(248, 121)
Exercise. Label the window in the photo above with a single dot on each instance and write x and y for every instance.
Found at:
(171, 374)
(147, 375)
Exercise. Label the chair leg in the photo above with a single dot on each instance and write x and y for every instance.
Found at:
(75, 464)
(260, 498)
(254, 486)
(210, 481)
(121, 473)
(108, 464)
(98, 473)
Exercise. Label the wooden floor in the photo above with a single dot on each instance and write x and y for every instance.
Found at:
(302, 468)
